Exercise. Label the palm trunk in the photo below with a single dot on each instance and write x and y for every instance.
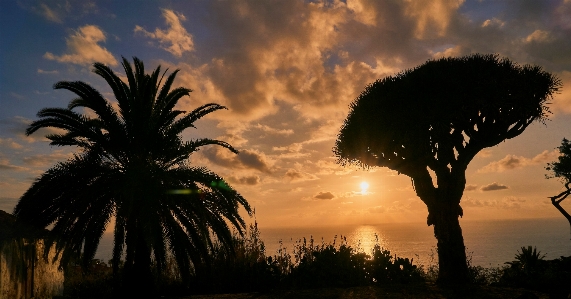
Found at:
(138, 276)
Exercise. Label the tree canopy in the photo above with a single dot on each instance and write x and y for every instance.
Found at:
(437, 117)
(441, 113)
(132, 167)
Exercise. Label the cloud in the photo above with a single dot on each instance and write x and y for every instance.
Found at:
(562, 101)
(244, 180)
(432, 18)
(322, 195)
(9, 143)
(508, 202)
(377, 209)
(539, 36)
(494, 22)
(510, 162)
(46, 160)
(273, 131)
(294, 175)
(83, 48)
(50, 14)
(5, 165)
(246, 159)
(175, 39)
(493, 187)
(471, 187)
(40, 71)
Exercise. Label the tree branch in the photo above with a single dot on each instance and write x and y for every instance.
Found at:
(556, 200)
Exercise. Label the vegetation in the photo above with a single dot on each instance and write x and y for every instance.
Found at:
(133, 167)
(430, 122)
(338, 268)
(561, 169)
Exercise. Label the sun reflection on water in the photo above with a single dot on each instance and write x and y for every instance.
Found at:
(364, 238)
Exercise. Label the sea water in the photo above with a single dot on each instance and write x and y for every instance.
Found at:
(488, 243)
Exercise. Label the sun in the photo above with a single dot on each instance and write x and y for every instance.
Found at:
(364, 187)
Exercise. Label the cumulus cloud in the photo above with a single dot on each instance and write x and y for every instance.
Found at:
(244, 180)
(508, 202)
(510, 162)
(493, 187)
(494, 22)
(324, 195)
(83, 48)
(294, 175)
(246, 159)
(175, 39)
(470, 187)
(539, 36)
(432, 17)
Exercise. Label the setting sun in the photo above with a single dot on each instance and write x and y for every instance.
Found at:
(364, 187)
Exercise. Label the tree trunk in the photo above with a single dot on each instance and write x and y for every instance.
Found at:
(453, 268)
(138, 277)
(556, 201)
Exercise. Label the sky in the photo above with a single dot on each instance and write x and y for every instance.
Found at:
(287, 71)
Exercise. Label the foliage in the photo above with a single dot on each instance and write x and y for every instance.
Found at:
(531, 271)
(95, 281)
(132, 166)
(245, 269)
(437, 117)
(562, 167)
(326, 265)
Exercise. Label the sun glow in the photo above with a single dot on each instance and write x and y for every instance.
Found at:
(364, 187)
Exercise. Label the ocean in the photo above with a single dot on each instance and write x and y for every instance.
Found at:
(488, 243)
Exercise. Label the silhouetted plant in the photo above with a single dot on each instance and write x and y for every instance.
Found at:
(384, 268)
(561, 169)
(437, 117)
(95, 281)
(528, 259)
(134, 167)
(246, 269)
(531, 271)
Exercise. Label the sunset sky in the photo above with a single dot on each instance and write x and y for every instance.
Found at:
(287, 71)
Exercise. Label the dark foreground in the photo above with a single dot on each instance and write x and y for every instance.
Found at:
(424, 290)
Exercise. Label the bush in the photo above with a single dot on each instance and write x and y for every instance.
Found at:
(94, 282)
(531, 271)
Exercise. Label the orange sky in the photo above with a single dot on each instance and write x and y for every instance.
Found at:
(287, 70)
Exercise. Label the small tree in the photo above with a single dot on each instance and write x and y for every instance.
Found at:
(561, 169)
(437, 117)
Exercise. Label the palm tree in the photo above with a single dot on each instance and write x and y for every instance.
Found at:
(133, 168)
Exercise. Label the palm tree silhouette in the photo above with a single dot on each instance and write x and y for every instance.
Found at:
(133, 167)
